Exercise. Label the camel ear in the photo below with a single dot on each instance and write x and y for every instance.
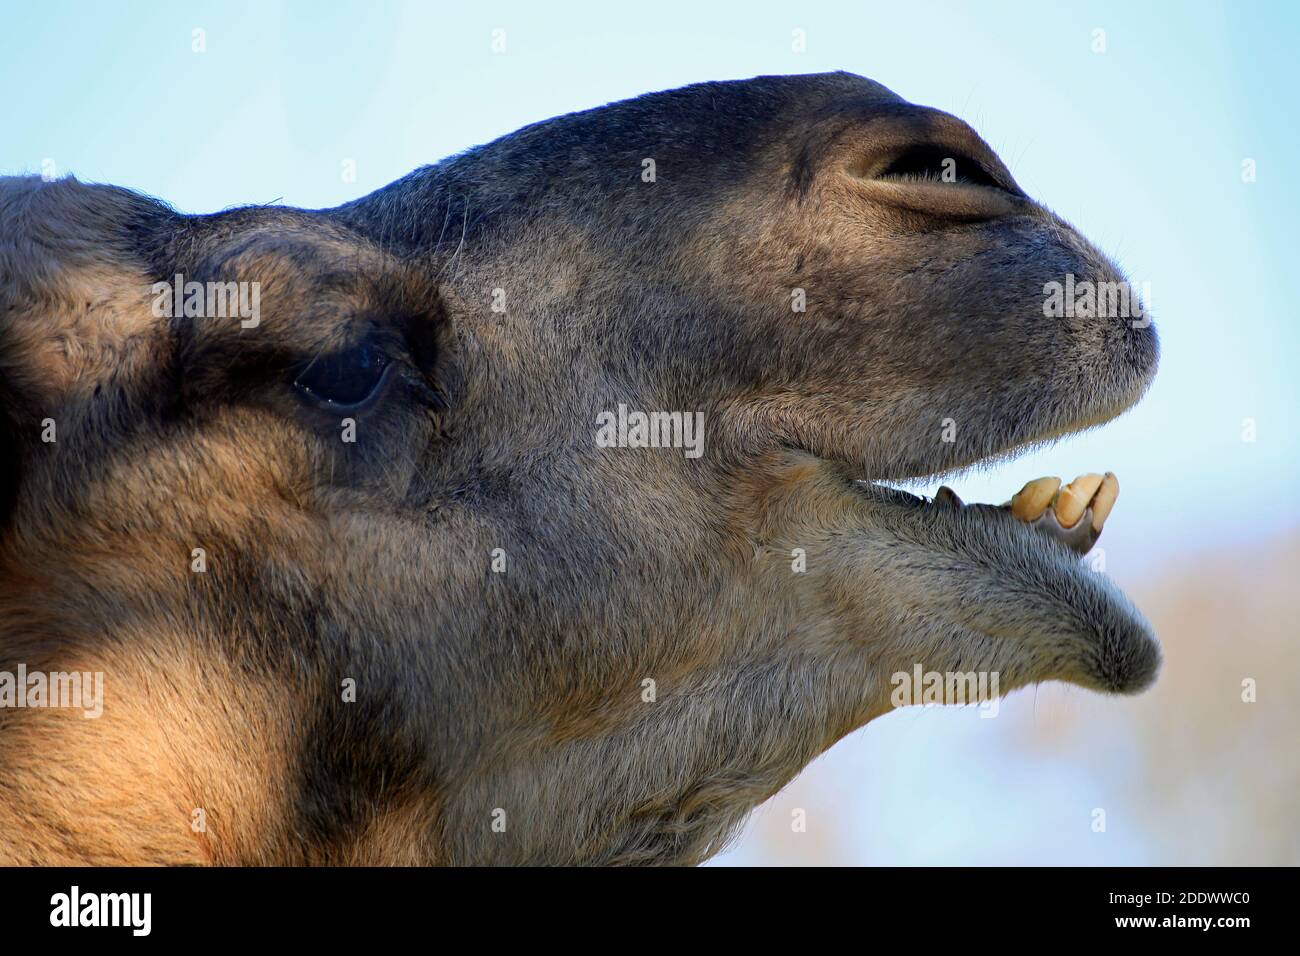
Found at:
(24, 267)
(73, 270)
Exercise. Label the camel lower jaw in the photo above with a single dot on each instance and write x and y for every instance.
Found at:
(1008, 578)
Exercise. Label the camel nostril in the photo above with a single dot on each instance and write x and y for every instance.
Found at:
(931, 163)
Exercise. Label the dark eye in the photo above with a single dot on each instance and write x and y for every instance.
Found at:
(343, 379)
(939, 165)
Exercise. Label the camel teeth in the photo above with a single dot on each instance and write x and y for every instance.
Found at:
(1073, 500)
(1104, 500)
(1029, 503)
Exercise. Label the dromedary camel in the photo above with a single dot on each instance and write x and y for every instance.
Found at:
(528, 510)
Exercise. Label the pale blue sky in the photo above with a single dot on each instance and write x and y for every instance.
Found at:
(1140, 146)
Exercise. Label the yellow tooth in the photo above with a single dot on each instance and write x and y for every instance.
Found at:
(1074, 497)
(1104, 500)
(1031, 501)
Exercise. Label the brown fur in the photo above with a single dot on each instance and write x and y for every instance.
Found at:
(522, 691)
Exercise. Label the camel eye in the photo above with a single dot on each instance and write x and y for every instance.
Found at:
(936, 164)
(344, 379)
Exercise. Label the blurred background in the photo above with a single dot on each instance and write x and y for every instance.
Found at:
(1168, 132)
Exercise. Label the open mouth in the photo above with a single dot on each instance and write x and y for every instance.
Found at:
(1073, 514)
(1015, 574)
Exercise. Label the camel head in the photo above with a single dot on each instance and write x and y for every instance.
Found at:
(535, 508)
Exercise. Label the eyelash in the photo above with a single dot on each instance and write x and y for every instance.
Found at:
(356, 374)
(415, 384)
